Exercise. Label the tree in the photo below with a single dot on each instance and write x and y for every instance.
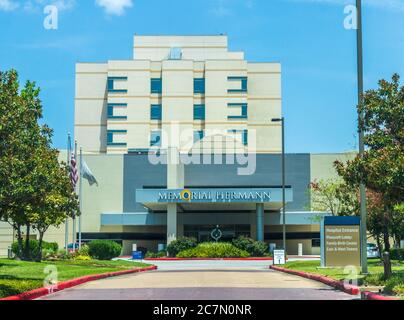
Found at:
(60, 200)
(333, 196)
(28, 163)
(381, 168)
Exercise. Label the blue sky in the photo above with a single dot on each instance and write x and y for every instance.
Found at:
(307, 36)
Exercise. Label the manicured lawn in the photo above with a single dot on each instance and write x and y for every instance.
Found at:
(20, 276)
(375, 277)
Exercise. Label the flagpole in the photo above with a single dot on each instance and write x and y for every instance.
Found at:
(75, 189)
(80, 193)
(67, 219)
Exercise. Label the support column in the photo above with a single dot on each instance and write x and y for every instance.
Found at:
(175, 180)
(171, 222)
(260, 222)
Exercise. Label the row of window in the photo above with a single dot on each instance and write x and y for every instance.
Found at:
(199, 111)
(156, 85)
(155, 137)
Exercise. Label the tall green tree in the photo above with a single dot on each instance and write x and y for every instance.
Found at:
(27, 159)
(334, 196)
(381, 168)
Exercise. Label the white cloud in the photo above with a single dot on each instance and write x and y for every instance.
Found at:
(114, 7)
(8, 5)
(36, 5)
(222, 8)
(382, 4)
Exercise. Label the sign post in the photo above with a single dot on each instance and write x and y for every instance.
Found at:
(279, 257)
(341, 242)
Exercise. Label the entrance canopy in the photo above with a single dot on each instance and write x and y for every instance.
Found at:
(213, 199)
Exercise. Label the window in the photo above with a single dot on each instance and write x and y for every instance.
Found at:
(244, 110)
(112, 106)
(199, 85)
(198, 135)
(156, 85)
(110, 138)
(155, 138)
(315, 243)
(243, 84)
(156, 111)
(111, 84)
(244, 135)
(199, 112)
(175, 53)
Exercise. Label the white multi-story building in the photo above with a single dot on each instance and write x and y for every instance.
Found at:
(187, 86)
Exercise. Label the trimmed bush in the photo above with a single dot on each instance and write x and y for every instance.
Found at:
(214, 250)
(160, 254)
(48, 248)
(397, 254)
(395, 285)
(104, 249)
(254, 248)
(181, 244)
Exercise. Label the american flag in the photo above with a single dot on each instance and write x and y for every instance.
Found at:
(74, 177)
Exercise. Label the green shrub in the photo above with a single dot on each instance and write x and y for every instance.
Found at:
(48, 248)
(254, 248)
(395, 285)
(214, 250)
(181, 244)
(104, 249)
(152, 255)
(399, 289)
(375, 279)
(81, 258)
(84, 250)
(397, 254)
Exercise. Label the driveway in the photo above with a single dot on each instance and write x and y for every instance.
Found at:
(204, 280)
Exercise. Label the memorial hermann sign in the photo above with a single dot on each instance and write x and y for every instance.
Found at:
(253, 195)
(214, 196)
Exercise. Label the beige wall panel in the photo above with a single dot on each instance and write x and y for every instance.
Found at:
(138, 136)
(267, 85)
(91, 112)
(91, 85)
(138, 109)
(264, 110)
(322, 164)
(91, 138)
(108, 196)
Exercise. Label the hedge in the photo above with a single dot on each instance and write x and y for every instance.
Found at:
(104, 249)
(254, 248)
(181, 244)
(397, 254)
(214, 250)
(50, 247)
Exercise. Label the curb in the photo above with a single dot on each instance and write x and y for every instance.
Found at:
(208, 259)
(40, 292)
(366, 295)
(340, 285)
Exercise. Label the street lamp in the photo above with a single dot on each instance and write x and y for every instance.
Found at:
(282, 121)
(362, 190)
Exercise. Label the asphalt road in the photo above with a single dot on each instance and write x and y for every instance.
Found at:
(209, 280)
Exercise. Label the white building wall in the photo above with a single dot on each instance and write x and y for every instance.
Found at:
(202, 57)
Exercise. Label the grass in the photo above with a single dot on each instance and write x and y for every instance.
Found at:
(374, 278)
(20, 276)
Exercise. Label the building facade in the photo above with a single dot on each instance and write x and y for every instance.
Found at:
(188, 87)
(180, 140)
